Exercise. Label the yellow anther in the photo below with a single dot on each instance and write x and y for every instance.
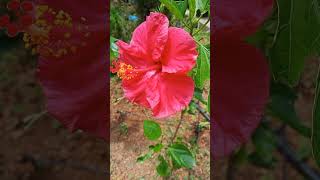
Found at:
(125, 71)
(73, 49)
(38, 37)
(67, 35)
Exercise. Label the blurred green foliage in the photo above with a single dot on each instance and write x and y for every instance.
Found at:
(145, 6)
(120, 26)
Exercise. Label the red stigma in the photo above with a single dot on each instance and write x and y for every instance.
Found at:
(12, 30)
(4, 21)
(27, 6)
(13, 5)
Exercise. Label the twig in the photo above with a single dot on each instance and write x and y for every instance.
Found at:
(178, 127)
(291, 157)
(118, 100)
(203, 112)
(202, 27)
(31, 119)
(231, 170)
(197, 132)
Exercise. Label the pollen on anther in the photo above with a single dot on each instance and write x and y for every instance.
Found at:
(124, 71)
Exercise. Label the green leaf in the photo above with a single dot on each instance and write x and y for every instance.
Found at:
(265, 162)
(156, 148)
(182, 6)
(113, 48)
(142, 158)
(304, 150)
(315, 136)
(240, 156)
(163, 167)
(198, 95)
(282, 107)
(181, 155)
(175, 164)
(152, 130)
(173, 8)
(298, 36)
(192, 8)
(265, 143)
(203, 67)
(204, 124)
(259, 39)
(192, 108)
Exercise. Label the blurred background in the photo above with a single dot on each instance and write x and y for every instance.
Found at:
(35, 146)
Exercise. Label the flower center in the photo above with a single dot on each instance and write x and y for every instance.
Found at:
(126, 71)
(55, 34)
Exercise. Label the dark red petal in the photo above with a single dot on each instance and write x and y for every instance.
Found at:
(12, 30)
(13, 5)
(4, 21)
(240, 92)
(240, 18)
(27, 6)
(76, 85)
(26, 21)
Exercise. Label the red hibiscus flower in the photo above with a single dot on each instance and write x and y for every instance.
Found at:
(240, 76)
(154, 66)
(70, 38)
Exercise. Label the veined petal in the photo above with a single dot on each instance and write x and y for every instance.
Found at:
(240, 19)
(240, 93)
(168, 94)
(180, 52)
(152, 35)
(135, 89)
(133, 55)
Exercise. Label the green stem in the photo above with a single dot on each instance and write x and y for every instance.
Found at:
(186, 25)
(199, 19)
(202, 27)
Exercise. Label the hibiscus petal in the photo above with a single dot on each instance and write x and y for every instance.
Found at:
(135, 88)
(133, 55)
(168, 94)
(147, 43)
(240, 92)
(240, 18)
(180, 52)
(152, 35)
(75, 85)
